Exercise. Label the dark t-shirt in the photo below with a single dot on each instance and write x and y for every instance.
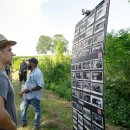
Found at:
(7, 92)
(23, 68)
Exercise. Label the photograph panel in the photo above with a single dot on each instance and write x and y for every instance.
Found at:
(87, 75)
(87, 125)
(97, 119)
(79, 84)
(73, 67)
(87, 98)
(82, 35)
(86, 86)
(95, 128)
(89, 41)
(97, 102)
(80, 127)
(78, 75)
(78, 66)
(90, 19)
(79, 95)
(98, 48)
(79, 108)
(87, 113)
(97, 76)
(97, 64)
(99, 26)
(89, 31)
(86, 65)
(80, 119)
(74, 93)
(97, 88)
(99, 37)
(74, 104)
(75, 114)
(73, 76)
(75, 124)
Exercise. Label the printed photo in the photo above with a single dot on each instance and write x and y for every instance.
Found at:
(86, 86)
(82, 35)
(79, 108)
(97, 88)
(87, 98)
(75, 124)
(79, 75)
(86, 65)
(97, 102)
(90, 20)
(74, 104)
(89, 31)
(83, 26)
(97, 76)
(80, 127)
(81, 45)
(73, 67)
(73, 82)
(99, 26)
(101, 12)
(86, 75)
(79, 84)
(74, 92)
(87, 113)
(98, 48)
(87, 51)
(97, 119)
(78, 66)
(76, 31)
(75, 114)
(97, 64)
(79, 95)
(73, 75)
(95, 128)
(76, 38)
(87, 124)
(80, 119)
(89, 41)
(99, 37)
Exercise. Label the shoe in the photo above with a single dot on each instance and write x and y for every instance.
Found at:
(36, 128)
(24, 125)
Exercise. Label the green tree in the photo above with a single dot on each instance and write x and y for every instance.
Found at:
(44, 44)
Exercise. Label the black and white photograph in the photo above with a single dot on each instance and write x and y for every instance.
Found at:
(75, 124)
(73, 83)
(76, 38)
(87, 113)
(73, 67)
(97, 88)
(79, 84)
(99, 37)
(89, 41)
(83, 26)
(74, 104)
(86, 86)
(81, 44)
(87, 51)
(101, 12)
(76, 31)
(97, 76)
(97, 119)
(73, 75)
(90, 20)
(87, 98)
(87, 75)
(95, 127)
(74, 92)
(86, 65)
(98, 48)
(87, 125)
(82, 35)
(97, 64)
(75, 114)
(78, 75)
(79, 95)
(80, 127)
(80, 119)
(89, 31)
(78, 66)
(79, 108)
(99, 26)
(97, 102)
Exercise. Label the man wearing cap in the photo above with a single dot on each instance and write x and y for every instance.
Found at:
(8, 119)
(32, 93)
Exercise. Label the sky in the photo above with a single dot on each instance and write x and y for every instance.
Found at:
(26, 20)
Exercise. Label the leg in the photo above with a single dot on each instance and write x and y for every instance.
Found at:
(24, 111)
(36, 105)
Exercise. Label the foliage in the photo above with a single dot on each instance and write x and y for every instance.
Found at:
(44, 44)
(117, 75)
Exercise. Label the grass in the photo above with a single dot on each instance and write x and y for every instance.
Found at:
(56, 112)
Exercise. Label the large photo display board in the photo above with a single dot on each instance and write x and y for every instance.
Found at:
(87, 69)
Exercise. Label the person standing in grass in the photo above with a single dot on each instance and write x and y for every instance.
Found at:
(8, 120)
(32, 93)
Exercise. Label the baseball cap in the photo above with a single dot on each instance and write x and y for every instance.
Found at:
(33, 60)
(4, 41)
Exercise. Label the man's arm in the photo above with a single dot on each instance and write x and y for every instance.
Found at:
(5, 120)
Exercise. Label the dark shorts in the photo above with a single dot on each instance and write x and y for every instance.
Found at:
(22, 78)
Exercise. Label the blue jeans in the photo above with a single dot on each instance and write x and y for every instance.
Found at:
(36, 105)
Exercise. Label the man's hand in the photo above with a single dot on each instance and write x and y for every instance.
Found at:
(24, 91)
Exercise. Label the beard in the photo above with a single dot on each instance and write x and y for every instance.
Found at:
(29, 67)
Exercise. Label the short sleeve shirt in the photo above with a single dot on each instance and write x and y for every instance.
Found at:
(7, 92)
